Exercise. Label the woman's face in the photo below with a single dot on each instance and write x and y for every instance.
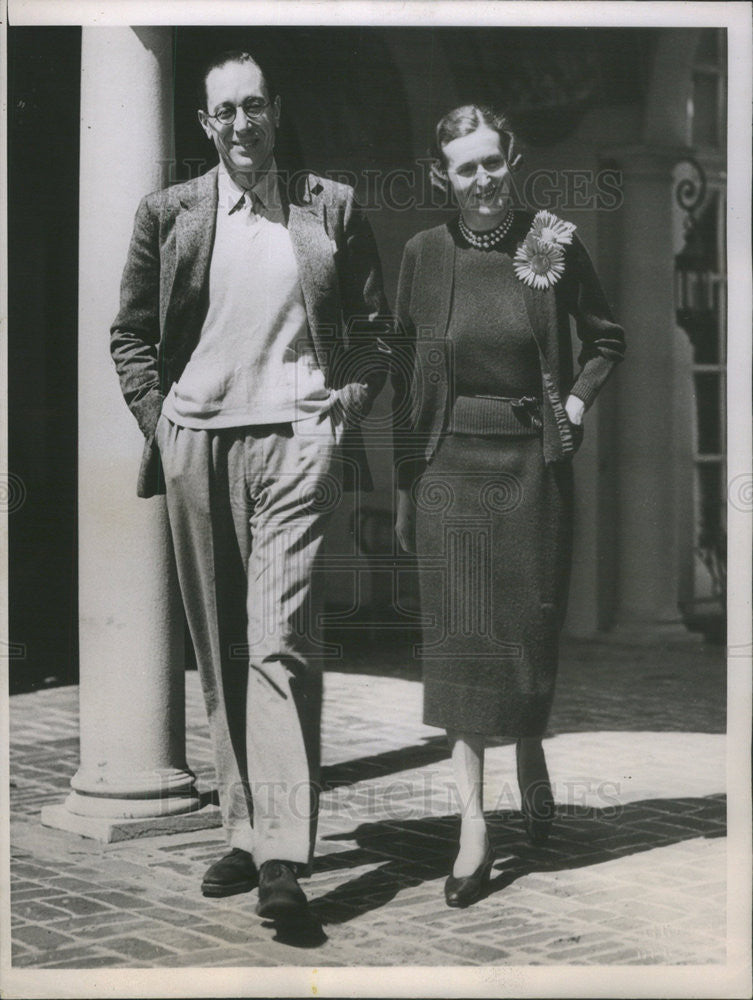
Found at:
(478, 172)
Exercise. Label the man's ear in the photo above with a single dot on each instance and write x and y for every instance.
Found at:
(277, 108)
(204, 122)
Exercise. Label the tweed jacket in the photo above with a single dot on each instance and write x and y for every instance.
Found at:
(164, 299)
(422, 364)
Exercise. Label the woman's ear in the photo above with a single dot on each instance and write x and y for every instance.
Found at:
(514, 159)
(438, 176)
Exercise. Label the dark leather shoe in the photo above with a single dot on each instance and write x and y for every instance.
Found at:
(461, 892)
(280, 896)
(234, 873)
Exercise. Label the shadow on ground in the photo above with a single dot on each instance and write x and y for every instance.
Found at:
(410, 852)
(377, 765)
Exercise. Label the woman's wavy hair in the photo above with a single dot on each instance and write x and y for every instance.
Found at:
(462, 121)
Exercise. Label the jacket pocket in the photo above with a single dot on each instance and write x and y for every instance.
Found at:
(151, 478)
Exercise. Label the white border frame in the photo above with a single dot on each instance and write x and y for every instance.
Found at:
(733, 980)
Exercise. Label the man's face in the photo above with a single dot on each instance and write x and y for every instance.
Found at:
(246, 145)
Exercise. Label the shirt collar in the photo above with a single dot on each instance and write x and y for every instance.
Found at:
(266, 189)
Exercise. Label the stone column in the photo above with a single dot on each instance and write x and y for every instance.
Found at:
(133, 777)
(656, 425)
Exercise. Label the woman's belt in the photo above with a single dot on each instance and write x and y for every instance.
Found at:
(493, 416)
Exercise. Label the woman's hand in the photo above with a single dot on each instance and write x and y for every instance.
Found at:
(575, 408)
(405, 521)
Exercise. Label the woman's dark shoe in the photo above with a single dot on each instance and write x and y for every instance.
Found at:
(536, 801)
(462, 891)
(236, 872)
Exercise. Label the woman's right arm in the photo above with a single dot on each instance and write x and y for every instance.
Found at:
(406, 462)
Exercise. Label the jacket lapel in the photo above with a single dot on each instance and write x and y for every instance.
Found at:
(314, 251)
(541, 307)
(434, 357)
(194, 235)
(448, 281)
(534, 300)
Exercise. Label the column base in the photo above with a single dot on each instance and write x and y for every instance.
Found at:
(117, 807)
(94, 789)
(110, 830)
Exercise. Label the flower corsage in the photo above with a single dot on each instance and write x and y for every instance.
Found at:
(540, 260)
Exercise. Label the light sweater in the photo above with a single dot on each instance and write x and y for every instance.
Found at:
(254, 362)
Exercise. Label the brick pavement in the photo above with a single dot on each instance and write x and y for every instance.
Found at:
(634, 873)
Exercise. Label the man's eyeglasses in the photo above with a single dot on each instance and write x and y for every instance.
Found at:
(252, 109)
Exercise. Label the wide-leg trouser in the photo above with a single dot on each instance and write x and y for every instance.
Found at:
(247, 509)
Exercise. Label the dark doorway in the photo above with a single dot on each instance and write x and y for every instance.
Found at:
(43, 148)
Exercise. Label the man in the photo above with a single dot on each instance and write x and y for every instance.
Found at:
(246, 346)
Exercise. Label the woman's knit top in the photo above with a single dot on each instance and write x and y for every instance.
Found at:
(493, 350)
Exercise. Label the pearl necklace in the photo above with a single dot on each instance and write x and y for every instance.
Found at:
(486, 240)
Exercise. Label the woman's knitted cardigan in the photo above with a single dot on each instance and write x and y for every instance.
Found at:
(421, 372)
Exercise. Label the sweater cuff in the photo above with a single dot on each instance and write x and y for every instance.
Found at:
(591, 379)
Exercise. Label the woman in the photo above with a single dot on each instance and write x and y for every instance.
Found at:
(487, 418)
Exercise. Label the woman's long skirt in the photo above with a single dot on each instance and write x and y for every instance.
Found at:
(493, 536)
